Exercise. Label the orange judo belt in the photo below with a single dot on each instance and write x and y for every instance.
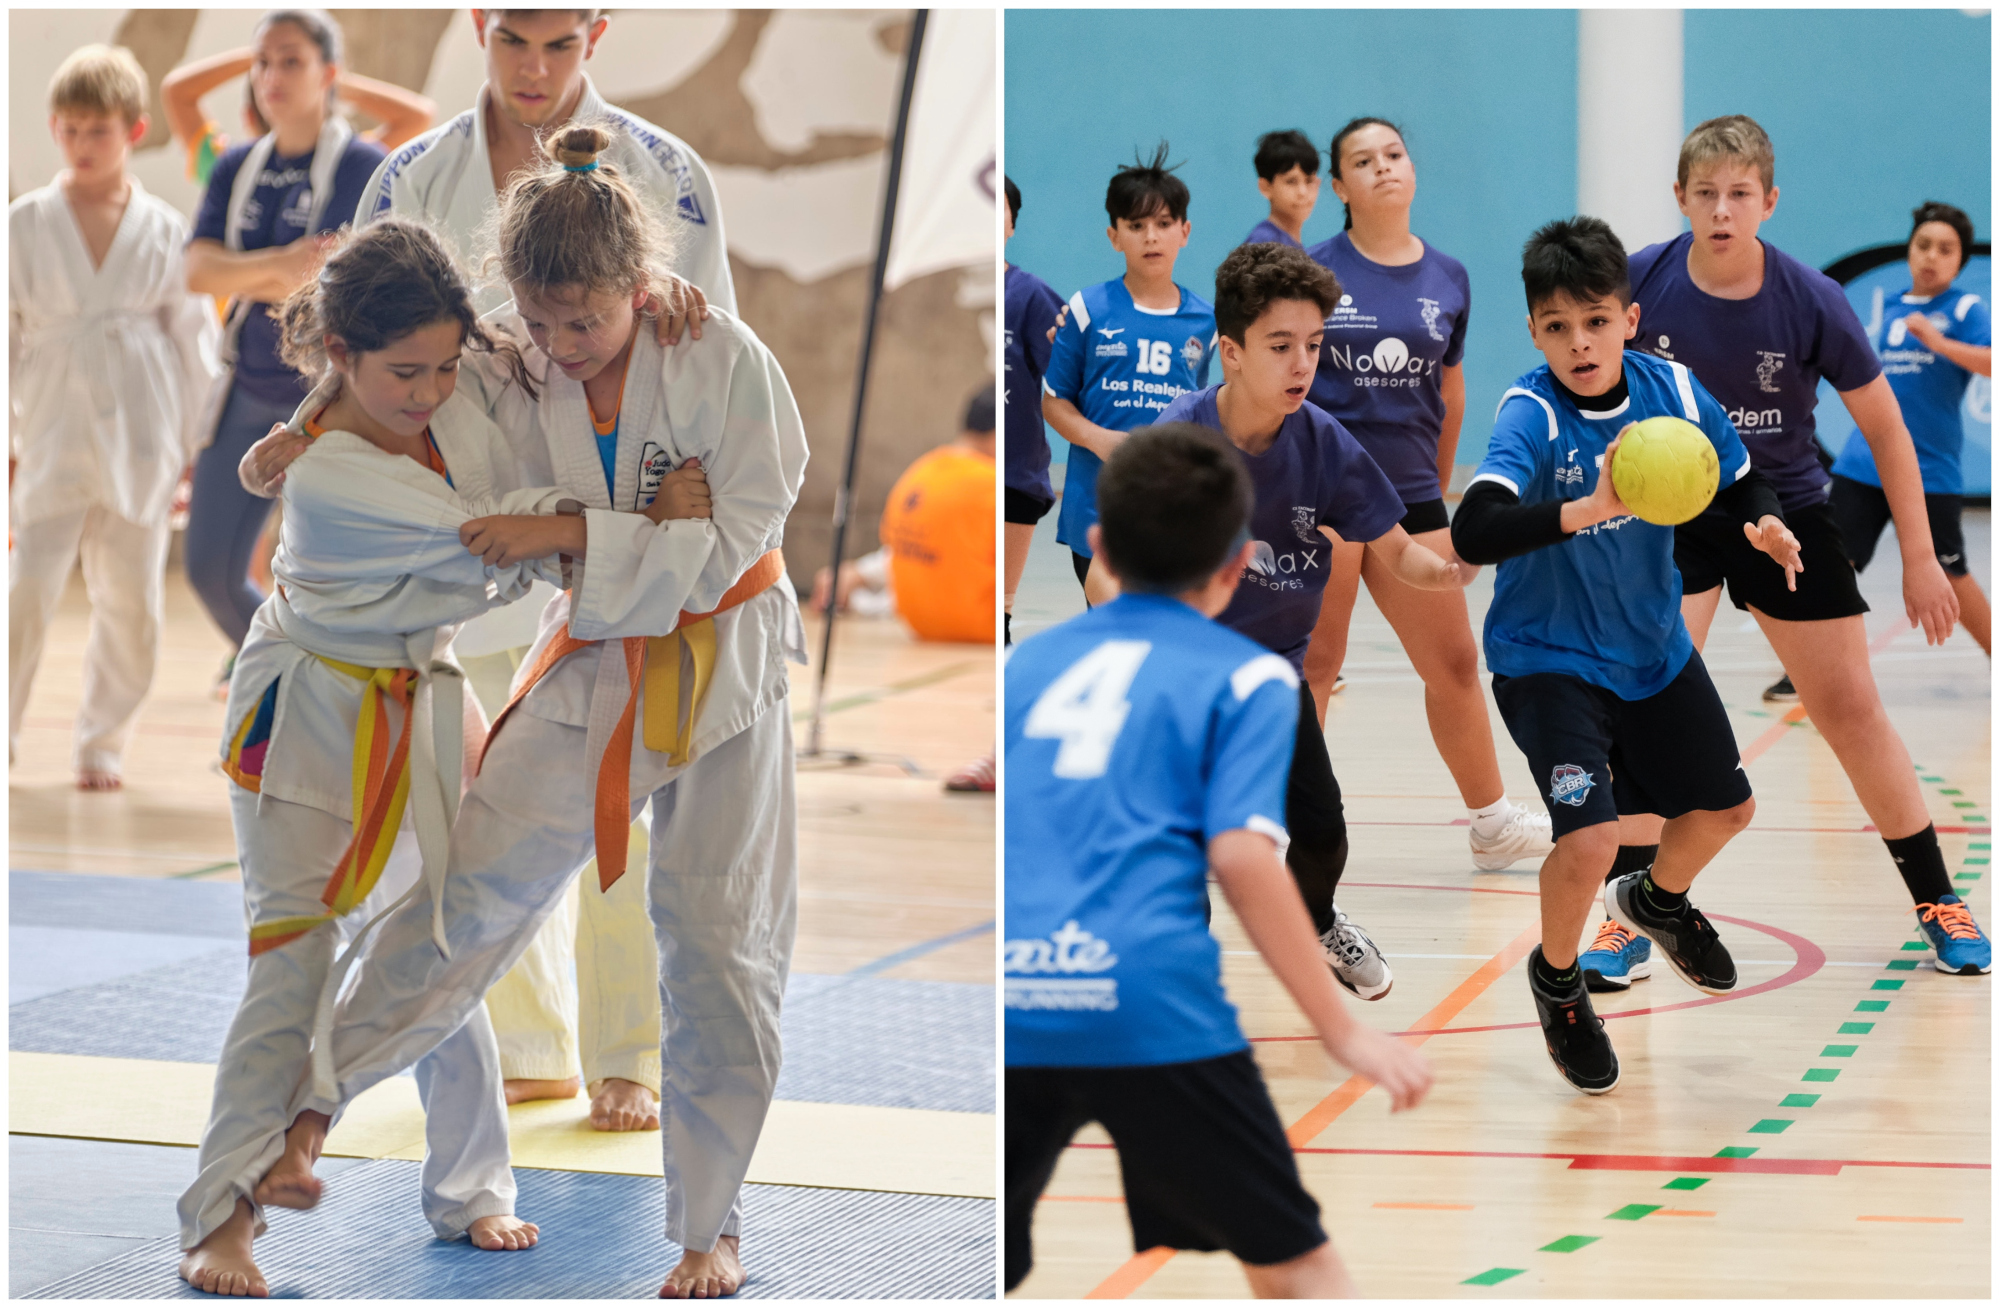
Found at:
(653, 665)
(381, 790)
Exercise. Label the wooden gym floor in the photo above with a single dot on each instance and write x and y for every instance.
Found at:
(1825, 1131)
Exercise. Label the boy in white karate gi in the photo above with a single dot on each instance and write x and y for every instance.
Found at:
(109, 359)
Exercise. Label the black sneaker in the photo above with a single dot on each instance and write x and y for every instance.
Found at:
(1574, 1033)
(1781, 691)
(1686, 940)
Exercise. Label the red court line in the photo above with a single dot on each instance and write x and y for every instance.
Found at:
(1645, 1162)
(1808, 958)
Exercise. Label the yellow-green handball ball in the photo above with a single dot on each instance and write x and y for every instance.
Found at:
(1665, 470)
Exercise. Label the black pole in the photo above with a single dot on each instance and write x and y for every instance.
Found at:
(844, 495)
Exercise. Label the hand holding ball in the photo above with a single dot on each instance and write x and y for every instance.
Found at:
(1665, 470)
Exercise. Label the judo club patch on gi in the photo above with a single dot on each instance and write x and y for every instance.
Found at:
(654, 465)
(1569, 784)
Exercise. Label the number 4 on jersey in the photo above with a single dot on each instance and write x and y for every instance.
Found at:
(1085, 707)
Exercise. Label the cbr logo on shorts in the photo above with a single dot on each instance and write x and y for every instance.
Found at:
(1570, 784)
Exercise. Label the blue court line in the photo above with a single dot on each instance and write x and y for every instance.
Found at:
(902, 956)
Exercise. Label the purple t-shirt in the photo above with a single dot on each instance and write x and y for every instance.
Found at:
(1380, 362)
(1314, 475)
(1270, 231)
(1031, 310)
(1762, 357)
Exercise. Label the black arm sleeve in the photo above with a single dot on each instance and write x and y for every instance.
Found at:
(1492, 524)
(1748, 499)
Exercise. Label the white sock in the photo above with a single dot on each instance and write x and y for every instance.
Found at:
(1488, 821)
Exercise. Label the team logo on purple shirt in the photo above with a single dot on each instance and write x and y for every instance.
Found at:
(1569, 784)
(1767, 371)
(1302, 522)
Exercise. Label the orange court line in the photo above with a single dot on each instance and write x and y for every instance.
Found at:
(1775, 734)
(1429, 1208)
(1941, 1220)
(1140, 1267)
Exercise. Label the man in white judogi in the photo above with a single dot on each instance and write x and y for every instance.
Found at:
(451, 177)
(108, 361)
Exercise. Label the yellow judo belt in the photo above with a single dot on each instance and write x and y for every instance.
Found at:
(381, 788)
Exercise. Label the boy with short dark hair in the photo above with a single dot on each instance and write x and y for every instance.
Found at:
(1761, 330)
(1126, 348)
(1593, 669)
(1288, 178)
(1312, 478)
(1145, 745)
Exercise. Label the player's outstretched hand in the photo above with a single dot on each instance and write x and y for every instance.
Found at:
(1403, 1073)
(677, 306)
(1772, 537)
(1603, 499)
(1928, 598)
(510, 538)
(683, 494)
(1062, 316)
(262, 469)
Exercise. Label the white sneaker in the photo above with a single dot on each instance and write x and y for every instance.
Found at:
(1356, 962)
(1526, 834)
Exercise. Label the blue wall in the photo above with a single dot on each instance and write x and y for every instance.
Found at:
(1871, 111)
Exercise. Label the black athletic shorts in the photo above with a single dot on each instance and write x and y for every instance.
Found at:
(1861, 511)
(1425, 515)
(1026, 509)
(1712, 549)
(1081, 562)
(1670, 754)
(1201, 1151)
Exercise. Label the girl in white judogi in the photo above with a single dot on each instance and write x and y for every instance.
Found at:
(658, 679)
(108, 360)
(346, 711)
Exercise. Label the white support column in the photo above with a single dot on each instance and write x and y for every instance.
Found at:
(1628, 121)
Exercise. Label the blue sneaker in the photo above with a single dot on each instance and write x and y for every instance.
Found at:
(1617, 958)
(1961, 946)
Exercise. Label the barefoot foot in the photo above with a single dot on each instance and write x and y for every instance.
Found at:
(520, 1091)
(708, 1275)
(503, 1233)
(621, 1105)
(221, 1264)
(290, 1183)
(95, 779)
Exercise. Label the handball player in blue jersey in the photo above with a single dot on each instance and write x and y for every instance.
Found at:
(1390, 370)
(1932, 339)
(1312, 481)
(1759, 329)
(1125, 348)
(1594, 671)
(1288, 179)
(1145, 746)
(1031, 314)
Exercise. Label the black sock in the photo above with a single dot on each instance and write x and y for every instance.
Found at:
(1553, 979)
(1662, 901)
(1921, 862)
(1007, 622)
(1632, 858)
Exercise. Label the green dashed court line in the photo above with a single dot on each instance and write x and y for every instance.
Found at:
(1797, 1099)
(1569, 1243)
(202, 871)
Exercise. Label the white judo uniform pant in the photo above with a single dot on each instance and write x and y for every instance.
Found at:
(288, 852)
(124, 570)
(722, 885)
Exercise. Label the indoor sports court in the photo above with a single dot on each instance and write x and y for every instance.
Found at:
(1822, 1132)
(126, 944)
(1824, 1128)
